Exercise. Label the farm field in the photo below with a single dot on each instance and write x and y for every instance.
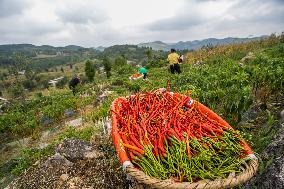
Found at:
(243, 83)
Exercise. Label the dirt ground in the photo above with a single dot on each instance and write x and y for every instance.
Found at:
(103, 171)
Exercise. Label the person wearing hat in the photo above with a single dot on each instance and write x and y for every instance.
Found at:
(174, 60)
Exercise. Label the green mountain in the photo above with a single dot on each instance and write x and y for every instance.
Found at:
(100, 48)
(30, 50)
(196, 44)
(156, 45)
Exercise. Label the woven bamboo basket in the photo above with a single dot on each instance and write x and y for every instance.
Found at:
(140, 180)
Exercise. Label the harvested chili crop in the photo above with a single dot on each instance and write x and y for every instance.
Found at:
(166, 136)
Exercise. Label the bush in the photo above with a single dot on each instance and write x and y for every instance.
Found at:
(119, 62)
(28, 157)
(156, 63)
(62, 83)
(72, 132)
(132, 86)
(117, 82)
(125, 70)
(17, 91)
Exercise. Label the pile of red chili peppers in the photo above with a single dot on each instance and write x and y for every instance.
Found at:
(150, 121)
(152, 118)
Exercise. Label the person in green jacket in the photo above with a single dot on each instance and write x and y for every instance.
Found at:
(143, 71)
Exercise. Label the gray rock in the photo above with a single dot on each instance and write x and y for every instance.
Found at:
(75, 122)
(282, 114)
(276, 147)
(46, 120)
(73, 149)
(57, 161)
(251, 114)
(273, 176)
(42, 145)
(69, 113)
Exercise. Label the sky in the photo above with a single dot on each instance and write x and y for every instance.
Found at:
(93, 23)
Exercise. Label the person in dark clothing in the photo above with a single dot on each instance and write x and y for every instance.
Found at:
(73, 84)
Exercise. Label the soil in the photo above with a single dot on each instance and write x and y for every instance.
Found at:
(103, 171)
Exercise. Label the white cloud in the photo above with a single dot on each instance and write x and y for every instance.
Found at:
(13, 7)
(108, 22)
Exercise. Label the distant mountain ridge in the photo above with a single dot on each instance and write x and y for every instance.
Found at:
(32, 47)
(155, 45)
(196, 44)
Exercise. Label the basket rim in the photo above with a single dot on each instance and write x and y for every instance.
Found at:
(250, 170)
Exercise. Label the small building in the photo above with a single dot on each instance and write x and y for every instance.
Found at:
(53, 82)
(22, 72)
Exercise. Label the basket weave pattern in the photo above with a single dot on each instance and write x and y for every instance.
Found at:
(248, 172)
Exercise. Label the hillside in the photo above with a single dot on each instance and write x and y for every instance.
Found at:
(196, 44)
(45, 56)
(30, 50)
(56, 129)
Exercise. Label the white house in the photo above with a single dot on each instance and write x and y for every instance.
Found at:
(54, 81)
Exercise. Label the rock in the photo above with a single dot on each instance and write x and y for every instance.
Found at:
(248, 57)
(75, 183)
(250, 115)
(3, 180)
(57, 161)
(36, 163)
(106, 123)
(42, 145)
(73, 149)
(75, 122)
(282, 114)
(93, 154)
(198, 63)
(101, 97)
(273, 176)
(276, 147)
(63, 177)
(69, 113)
(45, 135)
(46, 120)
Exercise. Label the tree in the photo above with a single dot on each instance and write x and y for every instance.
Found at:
(149, 54)
(89, 70)
(119, 62)
(107, 66)
(62, 70)
(29, 84)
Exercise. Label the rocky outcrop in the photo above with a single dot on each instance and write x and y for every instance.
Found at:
(248, 57)
(73, 149)
(271, 172)
(57, 161)
(76, 165)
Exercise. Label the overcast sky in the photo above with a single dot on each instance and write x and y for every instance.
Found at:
(91, 23)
